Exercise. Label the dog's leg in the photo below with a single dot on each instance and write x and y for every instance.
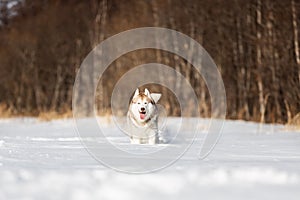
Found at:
(153, 140)
(135, 140)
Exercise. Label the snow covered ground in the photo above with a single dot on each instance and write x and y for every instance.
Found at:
(46, 160)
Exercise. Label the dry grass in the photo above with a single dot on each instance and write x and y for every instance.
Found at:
(6, 112)
(51, 115)
(294, 124)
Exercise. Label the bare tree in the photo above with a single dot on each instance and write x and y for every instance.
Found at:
(42, 47)
(262, 102)
(295, 32)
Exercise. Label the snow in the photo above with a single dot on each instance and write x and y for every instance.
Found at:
(46, 160)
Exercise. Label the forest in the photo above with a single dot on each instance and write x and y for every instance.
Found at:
(254, 43)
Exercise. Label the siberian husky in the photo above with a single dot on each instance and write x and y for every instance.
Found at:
(142, 118)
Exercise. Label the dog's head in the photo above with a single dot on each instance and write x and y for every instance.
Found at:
(143, 104)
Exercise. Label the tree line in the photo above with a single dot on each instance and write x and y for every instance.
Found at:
(254, 43)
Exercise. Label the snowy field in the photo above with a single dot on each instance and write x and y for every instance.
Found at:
(46, 160)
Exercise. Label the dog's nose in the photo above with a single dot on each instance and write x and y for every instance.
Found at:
(142, 109)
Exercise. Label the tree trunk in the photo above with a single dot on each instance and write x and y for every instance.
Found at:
(260, 85)
(296, 42)
(59, 80)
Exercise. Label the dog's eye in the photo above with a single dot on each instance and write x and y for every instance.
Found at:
(138, 103)
(145, 103)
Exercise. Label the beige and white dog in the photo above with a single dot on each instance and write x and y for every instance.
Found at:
(142, 118)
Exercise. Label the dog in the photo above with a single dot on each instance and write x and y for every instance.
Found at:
(142, 117)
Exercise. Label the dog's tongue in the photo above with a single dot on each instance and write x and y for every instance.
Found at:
(142, 115)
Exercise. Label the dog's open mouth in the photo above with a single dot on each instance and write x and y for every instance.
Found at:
(142, 115)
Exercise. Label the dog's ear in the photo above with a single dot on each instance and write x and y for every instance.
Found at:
(136, 93)
(155, 97)
(147, 92)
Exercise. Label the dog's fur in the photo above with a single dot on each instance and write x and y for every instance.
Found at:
(142, 117)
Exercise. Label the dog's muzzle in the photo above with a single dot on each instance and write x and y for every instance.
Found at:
(142, 113)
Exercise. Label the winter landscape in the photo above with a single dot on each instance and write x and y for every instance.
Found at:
(46, 160)
(64, 61)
